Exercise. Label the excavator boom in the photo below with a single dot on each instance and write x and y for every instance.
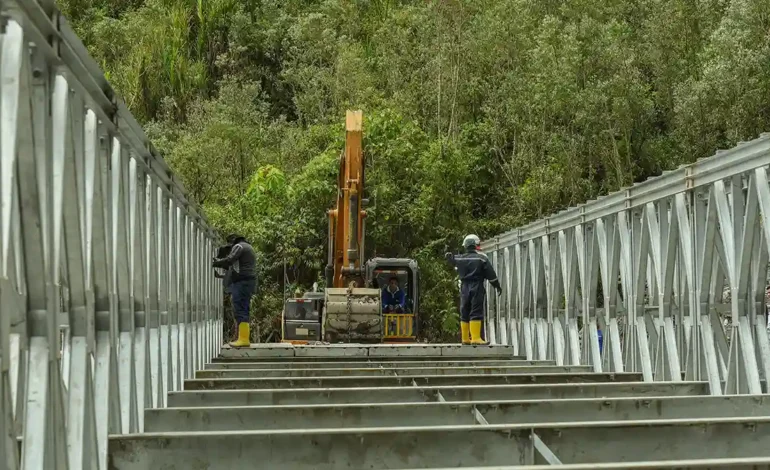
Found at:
(346, 220)
(352, 311)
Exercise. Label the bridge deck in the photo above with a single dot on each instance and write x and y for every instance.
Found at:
(479, 408)
(419, 351)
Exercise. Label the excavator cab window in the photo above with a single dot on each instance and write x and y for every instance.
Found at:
(382, 280)
(399, 324)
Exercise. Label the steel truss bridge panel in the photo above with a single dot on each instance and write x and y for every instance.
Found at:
(658, 269)
(108, 302)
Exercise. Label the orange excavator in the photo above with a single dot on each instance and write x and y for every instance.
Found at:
(350, 310)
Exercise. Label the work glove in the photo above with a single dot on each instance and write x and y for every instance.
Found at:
(499, 290)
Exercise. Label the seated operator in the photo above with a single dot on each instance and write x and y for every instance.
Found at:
(393, 298)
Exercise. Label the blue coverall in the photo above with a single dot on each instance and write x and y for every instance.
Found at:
(473, 268)
(393, 300)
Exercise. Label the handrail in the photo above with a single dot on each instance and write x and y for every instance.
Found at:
(744, 157)
(59, 44)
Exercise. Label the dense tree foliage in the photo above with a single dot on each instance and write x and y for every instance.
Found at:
(479, 114)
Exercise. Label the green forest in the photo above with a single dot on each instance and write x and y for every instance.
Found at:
(479, 115)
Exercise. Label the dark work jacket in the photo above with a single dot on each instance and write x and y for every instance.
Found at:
(474, 267)
(242, 262)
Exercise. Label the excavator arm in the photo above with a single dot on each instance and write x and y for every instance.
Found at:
(346, 220)
(352, 312)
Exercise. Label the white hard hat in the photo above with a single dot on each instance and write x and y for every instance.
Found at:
(471, 240)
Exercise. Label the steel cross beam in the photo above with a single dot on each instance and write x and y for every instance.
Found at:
(446, 413)
(442, 446)
(308, 396)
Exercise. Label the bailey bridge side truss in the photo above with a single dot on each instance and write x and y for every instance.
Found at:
(672, 271)
(107, 300)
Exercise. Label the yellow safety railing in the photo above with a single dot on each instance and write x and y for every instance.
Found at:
(398, 326)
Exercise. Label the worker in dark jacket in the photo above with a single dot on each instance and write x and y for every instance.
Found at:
(473, 268)
(241, 263)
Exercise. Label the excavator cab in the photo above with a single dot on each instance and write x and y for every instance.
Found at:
(399, 325)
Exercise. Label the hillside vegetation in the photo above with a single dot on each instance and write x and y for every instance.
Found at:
(480, 115)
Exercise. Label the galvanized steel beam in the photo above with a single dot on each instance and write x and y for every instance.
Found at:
(431, 447)
(330, 416)
(347, 364)
(208, 398)
(389, 371)
(418, 350)
(344, 382)
(754, 463)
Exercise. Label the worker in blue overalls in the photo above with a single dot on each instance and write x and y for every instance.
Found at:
(474, 268)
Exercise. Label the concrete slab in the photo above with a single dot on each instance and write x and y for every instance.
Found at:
(445, 350)
(370, 363)
(446, 446)
(756, 463)
(334, 350)
(232, 358)
(416, 350)
(339, 382)
(311, 396)
(389, 371)
(452, 413)
(274, 350)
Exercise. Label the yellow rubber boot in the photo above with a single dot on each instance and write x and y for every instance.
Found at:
(465, 328)
(243, 340)
(476, 332)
